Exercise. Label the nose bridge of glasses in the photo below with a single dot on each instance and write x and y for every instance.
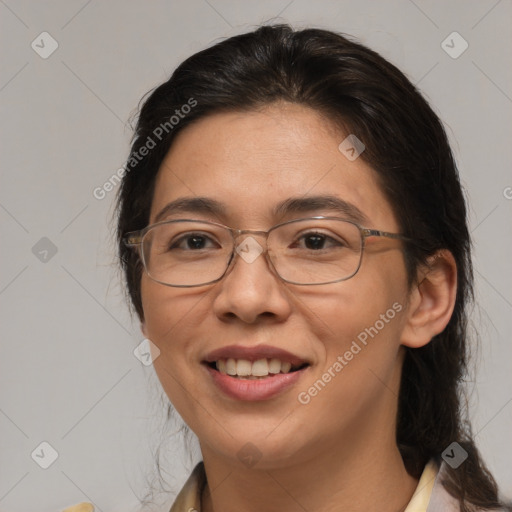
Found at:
(239, 232)
(244, 236)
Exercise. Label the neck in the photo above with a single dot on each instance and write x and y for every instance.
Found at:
(356, 477)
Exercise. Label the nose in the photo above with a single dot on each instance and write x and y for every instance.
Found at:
(251, 290)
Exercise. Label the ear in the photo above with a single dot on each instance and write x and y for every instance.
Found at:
(431, 300)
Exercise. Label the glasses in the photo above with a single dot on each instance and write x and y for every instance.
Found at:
(312, 251)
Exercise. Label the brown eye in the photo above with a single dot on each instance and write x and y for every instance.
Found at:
(194, 241)
(316, 241)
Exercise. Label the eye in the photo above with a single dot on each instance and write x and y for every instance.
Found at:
(192, 241)
(316, 241)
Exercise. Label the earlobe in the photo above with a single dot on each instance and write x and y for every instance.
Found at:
(431, 300)
(143, 328)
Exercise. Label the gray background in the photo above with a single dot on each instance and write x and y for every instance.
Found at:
(68, 373)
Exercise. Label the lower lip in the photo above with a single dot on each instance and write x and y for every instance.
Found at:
(254, 389)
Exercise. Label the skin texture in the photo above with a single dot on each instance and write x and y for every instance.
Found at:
(338, 452)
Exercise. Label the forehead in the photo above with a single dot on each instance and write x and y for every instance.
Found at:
(252, 162)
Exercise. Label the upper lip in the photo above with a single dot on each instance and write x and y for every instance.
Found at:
(253, 354)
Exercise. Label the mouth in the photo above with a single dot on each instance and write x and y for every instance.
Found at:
(254, 370)
(254, 373)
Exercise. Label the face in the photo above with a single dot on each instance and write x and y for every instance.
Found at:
(344, 336)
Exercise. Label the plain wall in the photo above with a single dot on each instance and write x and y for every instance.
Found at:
(68, 373)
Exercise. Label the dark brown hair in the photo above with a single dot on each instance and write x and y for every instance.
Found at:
(407, 146)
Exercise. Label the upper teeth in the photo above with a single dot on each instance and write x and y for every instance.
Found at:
(246, 368)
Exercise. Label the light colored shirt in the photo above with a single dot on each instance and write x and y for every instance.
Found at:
(429, 496)
(423, 492)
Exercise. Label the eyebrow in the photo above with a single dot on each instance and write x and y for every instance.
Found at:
(204, 205)
(304, 204)
(309, 204)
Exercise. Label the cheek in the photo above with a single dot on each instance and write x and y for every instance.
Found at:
(170, 315)
(378, 290)
(362, 319)
(167, 310)
(155, 304)
(360, 369)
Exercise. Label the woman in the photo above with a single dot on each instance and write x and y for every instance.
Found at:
(294, 240)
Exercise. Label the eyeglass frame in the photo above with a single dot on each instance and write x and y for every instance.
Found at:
(134, 239)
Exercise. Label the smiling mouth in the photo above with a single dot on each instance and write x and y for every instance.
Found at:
(259, 369)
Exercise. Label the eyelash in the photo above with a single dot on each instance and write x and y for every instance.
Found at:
(301, 236)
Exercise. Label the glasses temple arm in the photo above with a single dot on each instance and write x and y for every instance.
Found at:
(375, 232)
(132, 239)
